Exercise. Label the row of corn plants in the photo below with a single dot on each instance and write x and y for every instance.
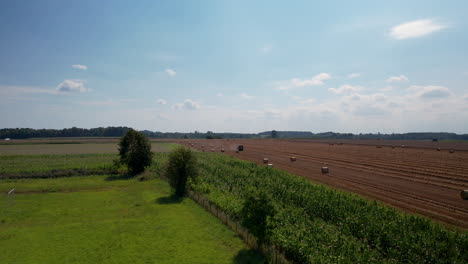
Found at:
(314, 223)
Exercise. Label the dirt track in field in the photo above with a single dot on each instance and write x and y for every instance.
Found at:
(417, 179)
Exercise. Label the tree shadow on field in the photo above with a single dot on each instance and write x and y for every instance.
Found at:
(248, 256)
(116, 177)
(172, 199)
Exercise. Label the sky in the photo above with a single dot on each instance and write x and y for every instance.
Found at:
(235, 66)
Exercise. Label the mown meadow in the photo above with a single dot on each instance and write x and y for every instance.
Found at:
(103, 218)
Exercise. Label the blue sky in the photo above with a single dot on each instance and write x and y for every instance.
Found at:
(238, 66)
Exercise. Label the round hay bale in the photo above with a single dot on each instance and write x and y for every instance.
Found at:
(222, 150)
(438, 149)
(212, 150)
(293, 158)
(378, 146)
(393, 146)
(403, 146)
(270, 165)
(451, 151)
(325, 170)
(464, 194)
(265, 160)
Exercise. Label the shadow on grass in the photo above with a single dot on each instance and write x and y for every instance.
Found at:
(169, 200)
(249, 256)
(116, 177)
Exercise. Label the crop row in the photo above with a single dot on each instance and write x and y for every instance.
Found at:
(315, 223)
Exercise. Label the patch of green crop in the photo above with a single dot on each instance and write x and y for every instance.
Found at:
(94, 220)
(317, 224)
(37, 164)
(65, 165)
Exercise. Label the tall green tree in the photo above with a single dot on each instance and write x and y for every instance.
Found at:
(135, 151)
(181, 169)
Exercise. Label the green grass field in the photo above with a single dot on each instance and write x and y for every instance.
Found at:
(71, 148)
(102, 218)
(94, 220)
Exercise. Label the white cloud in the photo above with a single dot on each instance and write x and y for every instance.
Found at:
(296, 82)
(80, 67)
(414, 29)
(161, 101)
(246, 96)
(353, 75)
(431, 91)
(171, 72)
(219, 95)
(346, 89)
(73, 85)
(188, 104)
(400, 78)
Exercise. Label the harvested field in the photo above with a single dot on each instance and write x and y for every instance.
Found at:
(428, 144)
(416, 179)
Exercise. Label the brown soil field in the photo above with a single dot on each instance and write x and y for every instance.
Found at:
(417, 179)
(428, 144)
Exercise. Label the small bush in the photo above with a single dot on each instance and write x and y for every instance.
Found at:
(135, 152)
(181, 170)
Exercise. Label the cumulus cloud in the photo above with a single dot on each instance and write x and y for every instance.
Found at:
(171, 72)
(246, 96)
(161, 101)
(394, 79)
(415, 29)
(296, 82)
(219, 95)
(80, 67)
(346, 89)
(431, 91)
(188, 104)
(353, 75)
(73, 85)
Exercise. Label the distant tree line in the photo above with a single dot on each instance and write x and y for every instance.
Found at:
(22, 133)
